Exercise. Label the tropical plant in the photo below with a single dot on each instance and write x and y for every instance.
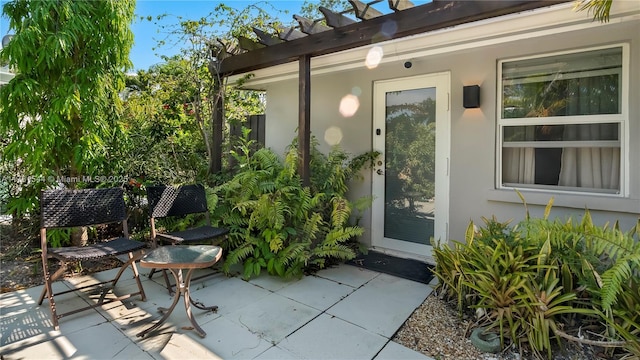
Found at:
(163, 143)
(494, 269)
(600, 8)
(541, 275)
(277, 224)
(601, 262)
(59, 113)
(498, 278)
(205, 43)
(546, 301)
(449, 272)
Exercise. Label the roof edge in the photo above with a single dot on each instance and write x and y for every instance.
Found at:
(507, 28)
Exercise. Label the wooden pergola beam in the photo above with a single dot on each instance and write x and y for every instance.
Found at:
(364, 11)
(309, 26)
(415, 20)
(289, 34)
(399, 5)
(215, 165)
(335, 20)
(247, 44)
(266, 38)
(304, 119)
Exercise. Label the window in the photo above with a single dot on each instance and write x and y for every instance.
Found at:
(562, 120)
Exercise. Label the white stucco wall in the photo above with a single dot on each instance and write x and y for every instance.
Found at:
(326, 120)
(473, 131)
(5, 75)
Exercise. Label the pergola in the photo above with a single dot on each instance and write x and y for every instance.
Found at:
(340, 32)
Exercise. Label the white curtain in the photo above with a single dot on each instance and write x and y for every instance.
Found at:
(593, 167)
(597, 168)
(518, 165)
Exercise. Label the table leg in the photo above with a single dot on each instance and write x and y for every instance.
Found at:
(201, 306)
(165, 311)
(182, 288)
(187, 304)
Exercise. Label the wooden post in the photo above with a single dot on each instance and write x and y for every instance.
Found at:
(304, 118)
(218, 115)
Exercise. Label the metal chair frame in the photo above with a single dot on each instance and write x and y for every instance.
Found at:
(78, 208)
(172, 201)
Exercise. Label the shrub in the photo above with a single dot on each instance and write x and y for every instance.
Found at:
(532, 281)
(279, 225)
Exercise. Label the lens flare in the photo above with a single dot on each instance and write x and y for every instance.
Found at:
(349, 105)
(333, 135)
(389, 28)
(374, 56)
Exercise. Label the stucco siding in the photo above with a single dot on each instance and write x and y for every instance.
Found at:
(473, 191)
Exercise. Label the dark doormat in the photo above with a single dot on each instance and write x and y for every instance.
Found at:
(404, 268)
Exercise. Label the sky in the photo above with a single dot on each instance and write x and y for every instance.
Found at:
(146, 35)
(145, 32)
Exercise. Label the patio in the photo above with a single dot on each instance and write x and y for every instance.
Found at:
(339, 313)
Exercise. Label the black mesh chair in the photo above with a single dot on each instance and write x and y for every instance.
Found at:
(170, 201)
(75, 208)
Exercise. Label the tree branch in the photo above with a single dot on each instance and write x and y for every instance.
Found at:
(607, 344)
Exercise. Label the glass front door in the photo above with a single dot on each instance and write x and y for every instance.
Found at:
(411, 180)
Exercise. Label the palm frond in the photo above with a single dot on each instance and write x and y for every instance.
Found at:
(600, 8)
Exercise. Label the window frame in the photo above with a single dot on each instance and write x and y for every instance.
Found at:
(621, 118)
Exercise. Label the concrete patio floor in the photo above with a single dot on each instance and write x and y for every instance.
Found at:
(339, 313)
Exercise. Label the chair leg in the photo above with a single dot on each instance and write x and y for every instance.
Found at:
(131, 262)
(167, 282)
(153, 271)
(137, 275)
(52, 307)
(47, 290)
(166, 279)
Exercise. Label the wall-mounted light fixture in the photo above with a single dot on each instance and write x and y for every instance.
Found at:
(471, 96)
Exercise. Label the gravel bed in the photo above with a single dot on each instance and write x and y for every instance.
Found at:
(436, 330)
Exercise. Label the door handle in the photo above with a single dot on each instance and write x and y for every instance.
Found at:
(380, 172)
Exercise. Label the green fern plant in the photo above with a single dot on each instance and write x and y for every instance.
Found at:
(280, 226)
(623, 251)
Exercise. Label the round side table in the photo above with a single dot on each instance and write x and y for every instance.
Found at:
(175, 259)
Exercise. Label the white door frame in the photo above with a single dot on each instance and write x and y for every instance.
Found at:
(442, 83)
